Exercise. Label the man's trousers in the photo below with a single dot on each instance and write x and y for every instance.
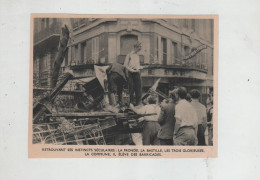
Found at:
(150, 131)
(135, 87)
(200, 135)
(185, 137)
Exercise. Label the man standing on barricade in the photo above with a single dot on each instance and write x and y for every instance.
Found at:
(116, 76)
(186, 120)
(132, 64)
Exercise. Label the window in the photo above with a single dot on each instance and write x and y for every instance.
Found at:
(186, 50)
(43, 63)
(42, 23)
(72, 55)
(185, 23)
(36, 29)
(88, 56)
(51, 21)
(164, 50)
(34, 65)
(211, 30)
(204, 29)
(39, 25)
(76, 54)
(83, 52)
(95, 49)
(193, 24)
(66, 59)
(207, 59)
(47, 22)
(157, 49)
(127, 43)
(174, 50)
(161, 50)
(203, 59)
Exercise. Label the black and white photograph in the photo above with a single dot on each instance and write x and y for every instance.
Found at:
(123, 81)
(129, 89)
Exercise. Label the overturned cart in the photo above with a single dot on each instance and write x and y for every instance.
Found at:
(83, 118)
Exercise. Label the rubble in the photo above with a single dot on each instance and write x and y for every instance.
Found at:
(85, 123)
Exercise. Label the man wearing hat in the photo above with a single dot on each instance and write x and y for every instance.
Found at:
(132, 64)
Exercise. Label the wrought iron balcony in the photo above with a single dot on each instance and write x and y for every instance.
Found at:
(52, 29)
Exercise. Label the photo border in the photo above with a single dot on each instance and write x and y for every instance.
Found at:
(38, 151)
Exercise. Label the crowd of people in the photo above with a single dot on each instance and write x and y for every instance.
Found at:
(177, 121)
(180, 120)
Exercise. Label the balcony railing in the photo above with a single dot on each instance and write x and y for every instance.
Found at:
(191, 63)
(52, 29)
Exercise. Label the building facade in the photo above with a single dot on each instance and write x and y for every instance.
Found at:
(45, 46)
(165, 42)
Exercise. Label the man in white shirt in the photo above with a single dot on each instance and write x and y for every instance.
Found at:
(202, 116)
(132, 64)
(186, 120)
(151, 125)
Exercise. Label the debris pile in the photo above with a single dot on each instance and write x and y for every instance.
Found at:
(86, 119)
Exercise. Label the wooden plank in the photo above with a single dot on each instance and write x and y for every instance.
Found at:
(99, 115)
